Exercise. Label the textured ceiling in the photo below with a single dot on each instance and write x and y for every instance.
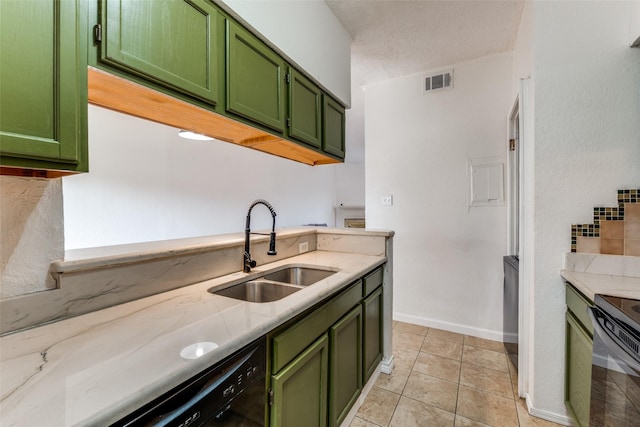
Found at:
(393, 38)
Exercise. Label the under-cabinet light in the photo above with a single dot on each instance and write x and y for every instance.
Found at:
(192, 135)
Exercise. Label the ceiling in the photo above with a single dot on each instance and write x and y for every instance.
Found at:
(393, 38)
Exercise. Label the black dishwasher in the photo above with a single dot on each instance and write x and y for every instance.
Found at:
(230, 393)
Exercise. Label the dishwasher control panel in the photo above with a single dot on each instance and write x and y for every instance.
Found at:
(234, 387)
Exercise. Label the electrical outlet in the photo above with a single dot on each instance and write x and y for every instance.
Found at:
(387, 200)
(303, 247)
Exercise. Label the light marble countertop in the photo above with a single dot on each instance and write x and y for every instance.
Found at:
(95, 368)
(591, 284)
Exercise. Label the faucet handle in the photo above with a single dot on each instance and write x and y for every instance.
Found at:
(272, 244)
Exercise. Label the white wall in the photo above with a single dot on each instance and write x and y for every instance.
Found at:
(146, 183)
(523, 48)
(587, 145)
(448, 258)
(307, 32)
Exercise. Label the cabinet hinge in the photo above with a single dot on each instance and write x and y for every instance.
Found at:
(97, 33)
(287, 78)
(270, 397)
(288, 122)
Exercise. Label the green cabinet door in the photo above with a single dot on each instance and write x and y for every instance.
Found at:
(305, 109)
(578, 370)
(345, 366)
(300, 389)
(372, 334)
(170, 42)
(43, 85)
(333, 129)
(254, 79)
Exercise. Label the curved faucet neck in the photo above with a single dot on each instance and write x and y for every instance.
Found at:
(247, 261)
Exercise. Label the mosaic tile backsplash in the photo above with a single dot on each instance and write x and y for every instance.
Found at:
(615, 230)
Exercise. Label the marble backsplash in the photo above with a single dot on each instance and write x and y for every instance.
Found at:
(86, 285)
(616, 265)
(92, 279)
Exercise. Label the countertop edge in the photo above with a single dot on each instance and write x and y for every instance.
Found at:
(590, 284)
(106, 256)
(122, 405)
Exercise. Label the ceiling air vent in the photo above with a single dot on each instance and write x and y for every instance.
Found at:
(439, 81)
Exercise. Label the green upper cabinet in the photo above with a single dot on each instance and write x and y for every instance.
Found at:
(333, 134)
(305, 109)
(43, 85)
(254, 79)
(170, 42)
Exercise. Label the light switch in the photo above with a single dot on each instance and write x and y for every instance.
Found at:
(387, 200)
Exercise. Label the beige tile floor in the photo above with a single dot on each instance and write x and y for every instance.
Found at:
(445, 379)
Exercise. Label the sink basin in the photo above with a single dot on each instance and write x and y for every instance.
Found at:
(257, 291)
(275, 284)
(300, 276)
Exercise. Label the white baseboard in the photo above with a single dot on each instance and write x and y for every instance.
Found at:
(564, 420)
(448, 326)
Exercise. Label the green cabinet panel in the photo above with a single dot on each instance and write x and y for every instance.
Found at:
(333, 127)
(305, 109)
(578, 371)
(300, 389)
(372, 281)
(372, 333)
(43, 90)
(349, 348)
(577, 304)
(287, 344)
(579, 350)
(345, 384)
(171, 42)
(254, 79)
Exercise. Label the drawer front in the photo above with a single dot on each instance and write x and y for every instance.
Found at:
(289, 343)
(577, 304)
(372, 281)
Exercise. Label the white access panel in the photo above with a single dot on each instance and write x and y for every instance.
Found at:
(486, 181)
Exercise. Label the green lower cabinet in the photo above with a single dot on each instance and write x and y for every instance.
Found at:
(333, 132)
(345, 367)
(300, 389)
(578, 358)
(43, 90)
(255, 79)
(372, 334)
(173, 43)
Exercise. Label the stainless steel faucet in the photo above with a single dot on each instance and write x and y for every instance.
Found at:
(248, 262)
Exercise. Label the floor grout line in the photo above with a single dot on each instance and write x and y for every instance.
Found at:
(466, 345)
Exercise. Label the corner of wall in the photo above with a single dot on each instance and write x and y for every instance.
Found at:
(32, 232)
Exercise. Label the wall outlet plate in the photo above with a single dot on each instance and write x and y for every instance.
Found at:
(387, 200)
(303, 247)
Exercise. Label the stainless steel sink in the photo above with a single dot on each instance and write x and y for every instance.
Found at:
(275, 284)
(301, 276)
(257, 291)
